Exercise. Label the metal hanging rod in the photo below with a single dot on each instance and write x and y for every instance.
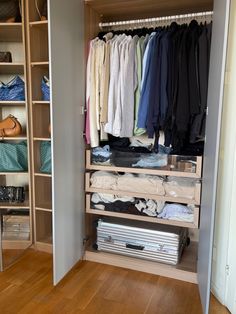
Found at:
(158, 19)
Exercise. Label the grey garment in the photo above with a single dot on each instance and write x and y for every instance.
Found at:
(152, 161)
(198, 126)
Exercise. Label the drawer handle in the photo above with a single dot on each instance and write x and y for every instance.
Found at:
(134, 247)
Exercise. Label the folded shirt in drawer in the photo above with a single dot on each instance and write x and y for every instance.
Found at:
(141, 183)
(180, 187)
(103, 180)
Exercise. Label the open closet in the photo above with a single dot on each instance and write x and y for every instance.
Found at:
(60, 196)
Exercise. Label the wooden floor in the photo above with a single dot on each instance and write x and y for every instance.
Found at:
(92, 288)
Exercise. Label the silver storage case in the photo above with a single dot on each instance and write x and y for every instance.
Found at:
(158, 243)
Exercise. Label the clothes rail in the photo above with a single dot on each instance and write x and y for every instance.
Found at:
(158, 19)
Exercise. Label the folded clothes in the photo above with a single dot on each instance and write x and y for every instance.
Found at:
(180, 187)
(152, 206)
(102, 151)
(110, 198)
(141, 183)
(177, 212)
(103, 180)
(102, 163)
(152, 161)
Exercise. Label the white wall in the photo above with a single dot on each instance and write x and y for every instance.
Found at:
(225, 192)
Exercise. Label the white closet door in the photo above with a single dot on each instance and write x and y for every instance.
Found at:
(215, 98)
(66, 45)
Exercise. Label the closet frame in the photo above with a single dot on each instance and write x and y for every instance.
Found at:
(38, 66)
(101, 11)
(186, 270)
(14, 33)
(71, 25)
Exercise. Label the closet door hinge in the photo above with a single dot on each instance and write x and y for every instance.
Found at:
(207, 111)
(227, 270)
(83, 110)
(85, 240)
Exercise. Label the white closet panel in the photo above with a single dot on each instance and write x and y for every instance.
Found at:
(66, 45)
(211, 152)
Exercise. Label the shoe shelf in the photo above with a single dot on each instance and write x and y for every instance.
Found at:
(159, 172)
(11, 68)
(193, 225)
(11, 32)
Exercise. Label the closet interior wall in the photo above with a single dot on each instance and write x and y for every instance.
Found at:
(12, 38)
(95, 13)
(38, 67)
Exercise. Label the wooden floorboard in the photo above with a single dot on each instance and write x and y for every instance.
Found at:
(92, 288)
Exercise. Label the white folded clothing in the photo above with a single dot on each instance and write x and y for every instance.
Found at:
(141, 183)
(110, 198)
(180, 187)
(103, 180)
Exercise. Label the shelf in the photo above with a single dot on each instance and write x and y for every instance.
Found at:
(145, 195)
(43, 206)
(39, 24)
(164, 198)
(159, 172)
(42, 64)
(43, 209)
(10, 32)
(92, 211)
(143, 218)
(46, 239)
(39, 174)
(11, 103)
(24, 205)
(135, 9)
(13, 173)
(186, 270)
(40, 102)
(15, 244)
(43, 247)
(11, 68)
(42, 139)
(15, 138)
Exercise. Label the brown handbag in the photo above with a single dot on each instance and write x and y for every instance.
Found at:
(10, 126)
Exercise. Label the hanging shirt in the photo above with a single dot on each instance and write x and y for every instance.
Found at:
(104, 86)
(114, 78)
(130, 83)
(91, 94)
(140, 49)
(143, 105)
